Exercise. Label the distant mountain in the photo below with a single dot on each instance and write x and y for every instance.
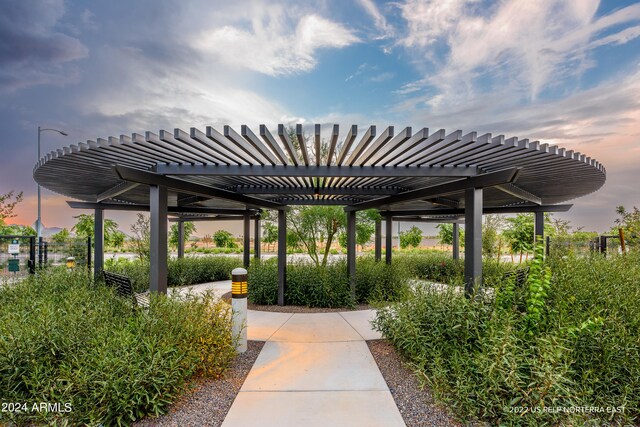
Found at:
(47, 231)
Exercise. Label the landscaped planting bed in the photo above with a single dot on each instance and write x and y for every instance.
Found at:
(313, 286)
(563, 350)
(102, 360)
(180, 271)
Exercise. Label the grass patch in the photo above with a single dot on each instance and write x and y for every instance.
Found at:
(65, 340)
(570, 342)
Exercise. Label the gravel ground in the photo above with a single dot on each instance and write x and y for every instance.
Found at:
(209, 402)
(417, 406)
(296, 308)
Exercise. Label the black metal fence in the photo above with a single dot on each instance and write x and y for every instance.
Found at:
(605, 244)
(21, 255)
(17, 255)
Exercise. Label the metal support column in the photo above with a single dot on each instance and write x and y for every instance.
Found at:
(98, 242)
(40, 251)
(257, 232)
(378, 240)
(538, 226)
(32, 254)
(246, 239)
(180, 239)
(456, 240)
(158, 249)
(89, 254)
(472, 240)
(351, 251)
(282, 255)
(388, 239)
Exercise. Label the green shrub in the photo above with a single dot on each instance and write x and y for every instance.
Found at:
(440, 267)
(377, 281)
(180, 271)
(327, 286)
(571, 342)
(65, 340)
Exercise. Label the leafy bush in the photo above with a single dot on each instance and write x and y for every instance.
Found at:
(377, 281)
(180, 271)
(65, 340)
(442, 268)
(192, 270)
(571, 342)
(327, 286)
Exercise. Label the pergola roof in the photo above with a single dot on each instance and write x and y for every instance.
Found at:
(359, 168)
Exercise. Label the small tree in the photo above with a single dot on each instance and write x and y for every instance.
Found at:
(365, 227)
(188, 227)
(445, 234)
(269, 234)
(224, 239)
(61, 237)
(520, 233)
(411, 237)
(629, 222)
(315, 226)
(141, 238)
(7, 205)
(492, 239)
(207, 240)
(85, 228)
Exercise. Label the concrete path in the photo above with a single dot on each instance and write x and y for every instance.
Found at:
(314, 370)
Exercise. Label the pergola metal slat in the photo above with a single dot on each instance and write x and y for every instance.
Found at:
(288, 145)
(237, 140)
(447, 144)
(380, 141)
(407, 156)
(101, 144)
(333, 143)
(302, 143)
(155, 141)
(217, 143)
(270, 141)
(125, 144)
(407, 145)
(197, 153)
(497, 145)
(185, 138)
(258, 145)
(390, 145)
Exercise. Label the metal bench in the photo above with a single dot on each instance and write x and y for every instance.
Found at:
(520, 275)
(124, 289)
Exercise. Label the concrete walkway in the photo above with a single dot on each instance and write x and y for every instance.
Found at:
(314, 370)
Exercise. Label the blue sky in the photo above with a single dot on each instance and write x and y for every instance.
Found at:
(563, 72)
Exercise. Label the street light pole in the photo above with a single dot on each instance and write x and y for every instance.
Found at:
(39, 220)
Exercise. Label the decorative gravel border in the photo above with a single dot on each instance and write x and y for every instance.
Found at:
(416, 406)
(209, 402)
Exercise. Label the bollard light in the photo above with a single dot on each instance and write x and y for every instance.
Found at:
(239, 307)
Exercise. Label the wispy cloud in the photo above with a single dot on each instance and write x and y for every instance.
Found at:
(522, 47)
(270, 47)
(380, 22)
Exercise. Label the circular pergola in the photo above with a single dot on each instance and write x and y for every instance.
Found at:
(406, 175)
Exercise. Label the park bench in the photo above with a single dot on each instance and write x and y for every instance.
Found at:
(520, 276)
(124, 289)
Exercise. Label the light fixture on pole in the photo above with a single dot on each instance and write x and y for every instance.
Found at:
(39, 220)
